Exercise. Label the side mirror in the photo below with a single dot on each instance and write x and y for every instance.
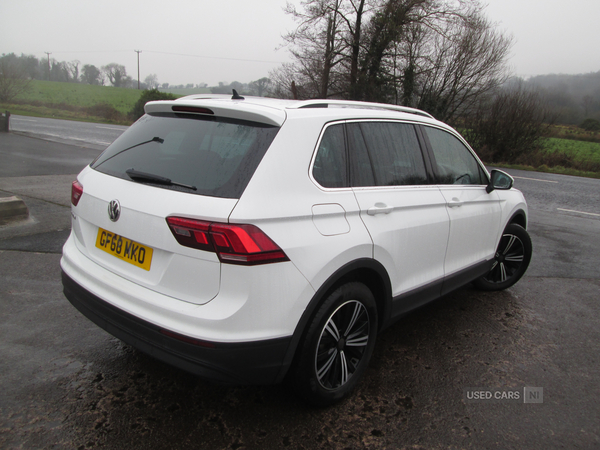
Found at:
(499, 180)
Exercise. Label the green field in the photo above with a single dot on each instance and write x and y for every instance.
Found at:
(75, 101)
(83, 95)
(578, 150)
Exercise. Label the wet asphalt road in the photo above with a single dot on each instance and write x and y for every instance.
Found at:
(64, 383)
(82, 134)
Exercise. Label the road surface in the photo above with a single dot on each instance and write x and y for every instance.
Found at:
(84, 134)
(65, 383)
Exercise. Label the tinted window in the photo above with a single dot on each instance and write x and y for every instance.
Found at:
(361, 167)
(329, 169)
(386, 154)
(218, 156)
(455, 163)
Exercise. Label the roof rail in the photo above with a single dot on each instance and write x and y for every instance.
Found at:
(323, 103)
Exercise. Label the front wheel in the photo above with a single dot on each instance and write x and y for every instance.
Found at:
(337, 345)
(510, 262)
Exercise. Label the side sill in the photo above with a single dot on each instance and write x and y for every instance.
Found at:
(409, 301)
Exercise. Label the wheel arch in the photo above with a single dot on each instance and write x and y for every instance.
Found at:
(367, 271)
(519, 218)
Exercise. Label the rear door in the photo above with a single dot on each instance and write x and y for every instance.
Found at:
(405, 214)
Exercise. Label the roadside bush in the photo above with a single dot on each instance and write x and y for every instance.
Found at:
(147, 96)
(510, 125)
(13, 79)
(105, 111)
(590, 125)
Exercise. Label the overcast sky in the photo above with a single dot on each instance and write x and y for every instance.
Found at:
(194, 41)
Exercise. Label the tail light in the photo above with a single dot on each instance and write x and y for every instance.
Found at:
(233, 243)
(76, 192)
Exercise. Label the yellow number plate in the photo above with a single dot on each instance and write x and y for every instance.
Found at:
(137, 254)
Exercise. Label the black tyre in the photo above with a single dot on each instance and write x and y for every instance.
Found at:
(337, 346)
(511, 261)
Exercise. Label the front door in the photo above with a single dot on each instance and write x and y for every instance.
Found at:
(475, 215)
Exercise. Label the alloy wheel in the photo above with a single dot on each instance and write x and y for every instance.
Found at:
(342, 344)
(508, 260)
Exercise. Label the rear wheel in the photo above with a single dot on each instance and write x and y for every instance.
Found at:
(510, 262)
(337, 346)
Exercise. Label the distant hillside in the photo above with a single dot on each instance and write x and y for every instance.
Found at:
(576, 97)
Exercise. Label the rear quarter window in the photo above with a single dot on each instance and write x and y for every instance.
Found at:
(329, 169)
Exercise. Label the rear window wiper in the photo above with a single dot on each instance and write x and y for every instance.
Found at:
(154, 139)
(143, 176)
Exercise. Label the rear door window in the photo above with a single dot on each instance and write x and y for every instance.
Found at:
(386, 154)
(217, 156)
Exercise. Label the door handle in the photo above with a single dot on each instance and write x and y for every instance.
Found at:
(379, 208)
(455, 203)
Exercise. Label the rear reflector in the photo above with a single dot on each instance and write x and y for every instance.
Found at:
(233, 243)
(76, 192)
(187, 339)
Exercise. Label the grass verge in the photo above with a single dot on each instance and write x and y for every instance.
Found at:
(543, 168)
(56, 112)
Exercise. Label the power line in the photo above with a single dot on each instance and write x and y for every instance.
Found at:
(216, 57)
(93, 51)
(175, 54)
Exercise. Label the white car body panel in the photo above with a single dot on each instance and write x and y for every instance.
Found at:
(242, 311)
(177, 271)
(410, 240)
(474, 225)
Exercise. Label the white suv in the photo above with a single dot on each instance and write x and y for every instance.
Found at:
(252, 240)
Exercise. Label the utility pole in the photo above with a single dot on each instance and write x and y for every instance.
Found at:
(138, 56)
(48, 53)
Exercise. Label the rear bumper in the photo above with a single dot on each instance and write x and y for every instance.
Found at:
(258, 362)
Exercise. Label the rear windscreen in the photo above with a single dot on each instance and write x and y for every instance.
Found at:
(214, 155)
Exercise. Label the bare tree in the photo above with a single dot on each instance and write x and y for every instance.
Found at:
(390, 24)
(260, 86)
(73, 70)
(13, 79)
(510, 125)
(325, 45)
(32, 66)
(90, 74)
(467, 62)
(439, 55)
(116, 74)
(151, 81)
